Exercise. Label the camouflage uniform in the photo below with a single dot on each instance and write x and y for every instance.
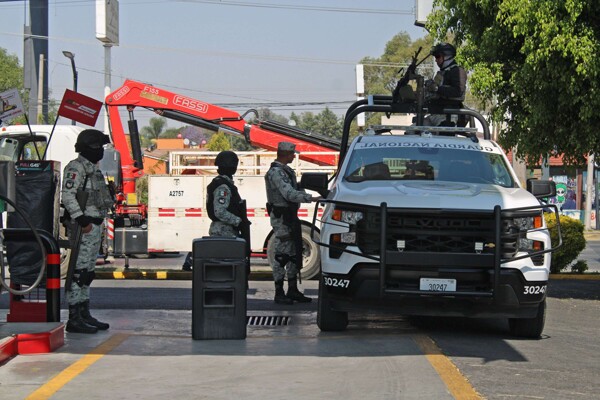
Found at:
(228, 223)
(98, 203)
(282, 189)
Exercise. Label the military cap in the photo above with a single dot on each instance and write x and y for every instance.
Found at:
(286, 146)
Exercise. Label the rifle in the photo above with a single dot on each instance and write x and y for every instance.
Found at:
(297, 235)
(296, 228)
(245, 234)
(411, 73)
(82, 197)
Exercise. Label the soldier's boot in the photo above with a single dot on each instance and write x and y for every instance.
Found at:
(76, 324)
(294, 294)
(280, 297)
(87, 317)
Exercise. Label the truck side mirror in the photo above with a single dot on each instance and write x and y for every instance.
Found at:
(540, 188)
(316, 181)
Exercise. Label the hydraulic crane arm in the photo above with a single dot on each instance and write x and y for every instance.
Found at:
(263, 134)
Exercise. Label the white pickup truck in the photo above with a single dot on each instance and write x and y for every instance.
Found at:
(431, 221)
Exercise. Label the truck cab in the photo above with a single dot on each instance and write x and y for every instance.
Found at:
(18, 143)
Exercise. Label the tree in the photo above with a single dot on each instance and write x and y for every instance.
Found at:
(155, 129)
(11, 72)
(536, 64)
(328, 124)
(195, 134)
(218, 142)
(308, 122)
(171, 133)
(267, 114)
(382, 73)
(11, 77)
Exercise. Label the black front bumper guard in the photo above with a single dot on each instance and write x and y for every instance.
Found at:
(487, 260)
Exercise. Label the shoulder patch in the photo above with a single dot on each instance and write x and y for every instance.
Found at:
(222, 193)
(70, 175)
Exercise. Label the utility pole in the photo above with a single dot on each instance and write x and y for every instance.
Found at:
(107, 31)
(589, 193)
(71, 57)
(35, 48)
(40, 91)
(107, 79)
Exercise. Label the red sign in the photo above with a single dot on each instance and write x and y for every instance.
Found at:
(79, 108)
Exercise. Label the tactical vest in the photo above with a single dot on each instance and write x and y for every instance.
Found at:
(290, 211)
(456, 74)
(234, 205)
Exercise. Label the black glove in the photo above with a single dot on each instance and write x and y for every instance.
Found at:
(244, 223)
(431, 86)
(83, 220)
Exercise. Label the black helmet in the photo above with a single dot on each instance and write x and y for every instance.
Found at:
(445, 49)
(226, 159)
(91, 139)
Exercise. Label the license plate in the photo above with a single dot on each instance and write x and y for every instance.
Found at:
(437, 285)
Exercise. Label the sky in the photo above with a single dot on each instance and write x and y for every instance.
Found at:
(239, 54)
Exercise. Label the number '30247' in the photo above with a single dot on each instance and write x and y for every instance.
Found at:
(534, 289)
(335, 282)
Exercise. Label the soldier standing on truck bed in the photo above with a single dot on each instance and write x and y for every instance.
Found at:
(84, 180)
(449, 85)
(283, 199)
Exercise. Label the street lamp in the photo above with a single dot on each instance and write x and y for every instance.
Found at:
(71, 57)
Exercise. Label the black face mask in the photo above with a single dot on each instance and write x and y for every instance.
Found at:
(229, 171)
(93, 155)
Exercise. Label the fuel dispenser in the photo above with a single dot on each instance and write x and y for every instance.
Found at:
(30, 198)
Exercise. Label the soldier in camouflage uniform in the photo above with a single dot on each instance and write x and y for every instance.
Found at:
(223, 199)
(223, 202)
(283, 197)
(82, 174)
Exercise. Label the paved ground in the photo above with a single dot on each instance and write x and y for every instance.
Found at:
(591, 253)
(149, 354)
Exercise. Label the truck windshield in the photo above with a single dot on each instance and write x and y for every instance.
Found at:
(424, 163)
(13, 149)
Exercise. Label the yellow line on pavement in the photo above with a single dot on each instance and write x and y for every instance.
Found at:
(65, 376)
(118, 275)
(456, 382)
(580, 277)
(161, 274)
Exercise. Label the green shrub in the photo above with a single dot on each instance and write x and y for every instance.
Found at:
(579, 267)
(141, 189)
(573, 241)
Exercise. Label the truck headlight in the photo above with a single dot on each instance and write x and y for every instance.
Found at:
(347, 216)
(350, 217)
(526, 224)
(344, 238)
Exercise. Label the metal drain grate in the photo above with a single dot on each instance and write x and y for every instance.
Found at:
(267, 320)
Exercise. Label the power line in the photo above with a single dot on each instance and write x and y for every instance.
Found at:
(217, 53)
(300, 7)
(71, 3)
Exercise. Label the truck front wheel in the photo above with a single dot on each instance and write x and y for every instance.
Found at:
(311, 263)
(328, 319)
(531, 328)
